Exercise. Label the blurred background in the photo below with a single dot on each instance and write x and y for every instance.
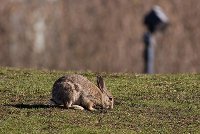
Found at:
(97, 35)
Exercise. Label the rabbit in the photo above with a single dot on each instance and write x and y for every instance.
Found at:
(77, 92)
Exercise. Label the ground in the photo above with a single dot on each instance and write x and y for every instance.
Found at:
(161, 103)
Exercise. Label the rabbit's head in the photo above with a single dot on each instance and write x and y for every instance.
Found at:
(107, 98)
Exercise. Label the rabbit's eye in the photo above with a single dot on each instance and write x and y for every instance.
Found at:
(110, 98)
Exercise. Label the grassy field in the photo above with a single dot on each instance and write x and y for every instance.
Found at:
(143, 104)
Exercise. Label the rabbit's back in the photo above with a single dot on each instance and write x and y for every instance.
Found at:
(75, 85)
(85, 84)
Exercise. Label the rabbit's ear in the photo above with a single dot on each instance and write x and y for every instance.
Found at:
(100, 83)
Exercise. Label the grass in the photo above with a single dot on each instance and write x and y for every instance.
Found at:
(167, 103)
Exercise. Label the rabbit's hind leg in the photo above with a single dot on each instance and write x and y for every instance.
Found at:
(77, 107)
(69, 105)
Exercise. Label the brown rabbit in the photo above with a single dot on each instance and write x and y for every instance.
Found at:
(76, 91)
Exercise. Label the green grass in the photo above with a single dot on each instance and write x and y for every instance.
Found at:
(167, 103)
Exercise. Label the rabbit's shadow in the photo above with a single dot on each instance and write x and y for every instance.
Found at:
(44, 106)
(32, 106)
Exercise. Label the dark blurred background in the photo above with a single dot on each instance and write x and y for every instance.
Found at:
(97, 35)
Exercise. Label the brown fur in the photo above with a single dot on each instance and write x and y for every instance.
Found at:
(76, 91)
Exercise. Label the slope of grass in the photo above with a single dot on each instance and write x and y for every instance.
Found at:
(143, 104)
